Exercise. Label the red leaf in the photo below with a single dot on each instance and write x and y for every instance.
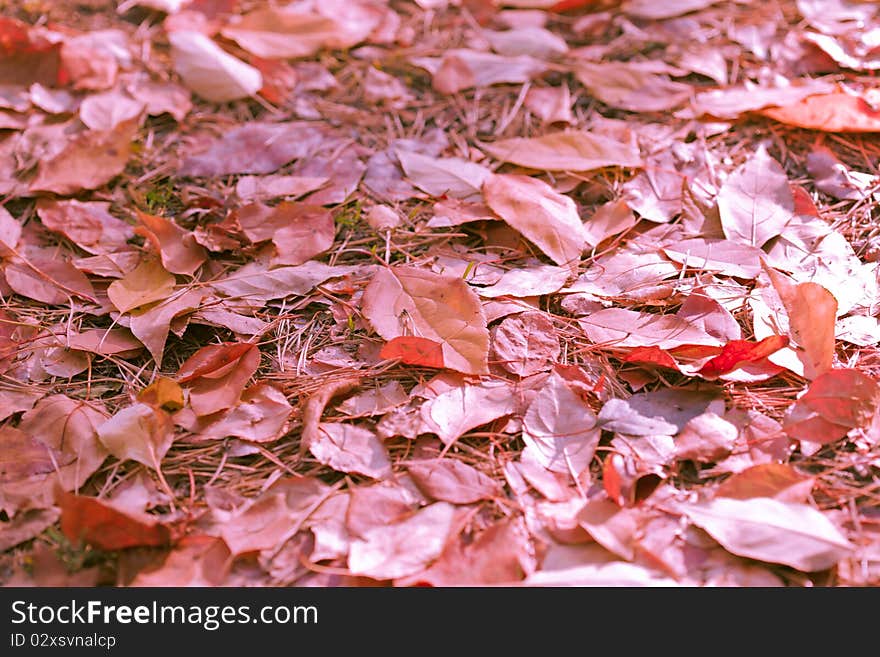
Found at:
(568, 5)
(413, 350)
(739, 352)
(803, 202)
(211, 359)
(651, 356)
(90, 520)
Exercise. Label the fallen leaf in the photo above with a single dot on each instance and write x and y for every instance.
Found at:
(412, 350)
(705, 439)
(217, 375)
(147, 283)
(105, 111)
(755, 202)
(611, 526)
(26, 525)
(151, 325)
(254, 147)
(163, 393)
(255, 282)
(259, 417)
(403, 299)
(449, 176)
(267, 521)
(493, 557)
(722, 256)
(50, 280)
(812, 315)
(350, 448)
(543, 216)
(448, 480)
(731, 102)
(525, 343)
(138, 432)
(662, 412)
(535, 41)
(618, 328)
(834, 403)
(765, 529)
(282, 34)
(460, 68)
(737, 353)
(777, 480)
(70, 427)
(177, 247)
(99, 524)
(196, 560)
(651, 10)
(210, 71)
(455, 412)
(403, 548)
(89, 160)
(565, 151)
(382, 504)
(561, 428)
(631, 86)
(834, 112)
(88, 225)
(260, 188)
(376, 401)
(550, 104)
(530, 281)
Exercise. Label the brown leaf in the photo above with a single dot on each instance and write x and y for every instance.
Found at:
(89, 225)
(755, 202)
(706, 438)
(525, 343)
(255, 282)
(147, 283)
(631, 86)
(458, 410)
(218, 374)
(277, 514)
(48, 279)
(796, 535)
(68, 426)
(279, 34)
(209, 70)
(449, 480)
(495, 556)
(449, 176)
(151, 325)
(260, 417)
(404, 548)
(560, 428)
(138, 432)
(350, 448)
(812, 315)
(99, 524)
(25, 526)
(403, 299)
(196, 560)
(255, 147)
(834, 112)
(777, 480)
(565, 151)
(88, 161)
(546, 218)
(176, 246)
(835, 402)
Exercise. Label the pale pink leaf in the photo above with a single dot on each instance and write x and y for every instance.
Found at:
(352, 449)
(565, 151)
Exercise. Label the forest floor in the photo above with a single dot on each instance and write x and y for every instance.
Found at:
(362, 293)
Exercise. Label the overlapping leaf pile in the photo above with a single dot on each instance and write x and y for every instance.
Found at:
(384, 292)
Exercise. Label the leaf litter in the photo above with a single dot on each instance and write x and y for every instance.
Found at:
(581, 295)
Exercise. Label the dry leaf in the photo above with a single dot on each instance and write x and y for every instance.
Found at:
(525, 343)
(209, 70)
(543, 216)
(765, 529)
(352, 449)
(88, 225)
(403, 548)
(755, 202)
(88, 161)
(280, 34)
(147, 283)
(631, 86)
(450, 176)
(98, 523)
(176, 246)
(138, 432)
(458, 410)
(403, 299)
(835, 112)
(448, 480)
(561, 429)
(565, 151)
(217, 375)
(412, 350)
